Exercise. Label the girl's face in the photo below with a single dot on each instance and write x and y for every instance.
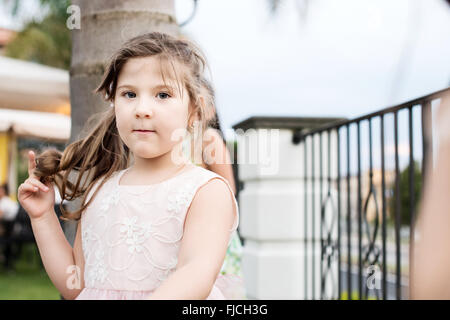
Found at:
(148, 112)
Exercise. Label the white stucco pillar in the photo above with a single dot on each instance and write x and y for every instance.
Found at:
(272, 208)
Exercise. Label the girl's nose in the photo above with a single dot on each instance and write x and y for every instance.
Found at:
(146, 113)
(143, 110)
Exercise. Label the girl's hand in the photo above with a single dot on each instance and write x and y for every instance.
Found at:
(35, 197)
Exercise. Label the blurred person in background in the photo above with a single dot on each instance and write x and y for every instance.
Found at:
(8, 207)
(431, 273)
(8, 212)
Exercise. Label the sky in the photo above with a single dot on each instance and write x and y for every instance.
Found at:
(29, 9)
(345, 58)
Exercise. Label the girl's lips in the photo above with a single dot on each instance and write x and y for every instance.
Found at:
(144, 131)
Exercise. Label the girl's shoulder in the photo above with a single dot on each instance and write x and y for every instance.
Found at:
(214, 189)
(207, 176)
(213, 186)
(202, 176)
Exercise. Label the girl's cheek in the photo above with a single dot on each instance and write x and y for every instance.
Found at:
(121, 129)
(165, 131)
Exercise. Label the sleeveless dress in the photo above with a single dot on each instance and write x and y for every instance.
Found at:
(131, 236)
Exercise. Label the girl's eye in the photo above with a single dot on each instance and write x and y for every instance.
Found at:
(163, 95)
(127, 92)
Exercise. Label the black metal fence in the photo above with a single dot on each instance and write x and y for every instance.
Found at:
(362, 186)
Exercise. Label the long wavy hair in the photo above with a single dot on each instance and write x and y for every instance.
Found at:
(102, 152)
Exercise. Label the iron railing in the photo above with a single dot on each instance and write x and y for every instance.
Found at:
(352, 187)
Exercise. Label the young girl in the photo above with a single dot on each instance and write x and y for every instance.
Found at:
(157, 229)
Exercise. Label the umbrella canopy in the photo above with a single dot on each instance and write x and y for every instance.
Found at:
(45, 125)
(31, 86)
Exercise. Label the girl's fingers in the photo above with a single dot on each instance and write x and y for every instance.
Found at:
(31, 163)
(37, 183)
(25, 187)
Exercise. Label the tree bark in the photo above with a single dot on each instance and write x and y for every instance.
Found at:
(105, 25)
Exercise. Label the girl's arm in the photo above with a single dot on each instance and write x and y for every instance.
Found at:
(57, 255)
(59, 259)
(204, 244)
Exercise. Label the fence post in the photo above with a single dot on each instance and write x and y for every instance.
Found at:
(272, 211)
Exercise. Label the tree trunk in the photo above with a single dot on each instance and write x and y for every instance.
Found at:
(105, 25)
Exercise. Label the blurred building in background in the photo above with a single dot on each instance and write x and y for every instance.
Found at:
(34, 104)
(6, 35)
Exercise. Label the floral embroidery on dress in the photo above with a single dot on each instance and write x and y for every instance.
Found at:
(110, 200)
(177, 202)
(98, 271)
(86, 237)
(136, 234)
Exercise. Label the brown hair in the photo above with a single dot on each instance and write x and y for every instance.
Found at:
(102, 152)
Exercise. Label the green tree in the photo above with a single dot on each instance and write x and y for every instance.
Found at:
(46, 42)
(405, 195)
